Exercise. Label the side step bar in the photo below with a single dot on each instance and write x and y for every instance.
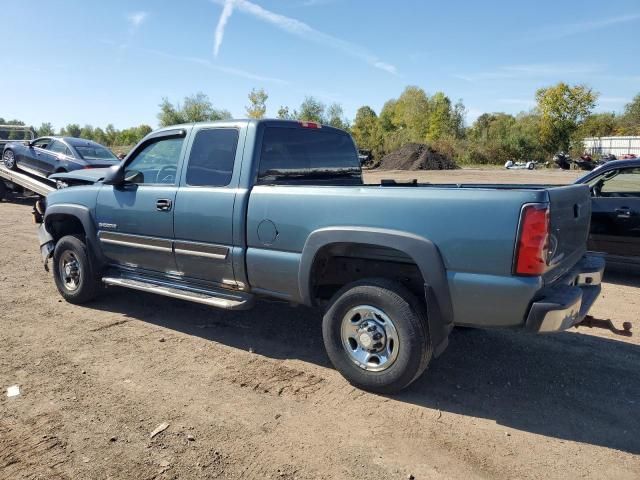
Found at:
(219, 299)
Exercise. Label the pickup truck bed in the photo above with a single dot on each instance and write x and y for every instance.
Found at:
(223, 212)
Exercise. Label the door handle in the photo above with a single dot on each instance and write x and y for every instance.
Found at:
(623, 212)
(163, 204)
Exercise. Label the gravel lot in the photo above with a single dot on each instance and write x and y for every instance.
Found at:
(252, 395)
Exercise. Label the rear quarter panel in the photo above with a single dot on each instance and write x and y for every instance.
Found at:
(474, 230)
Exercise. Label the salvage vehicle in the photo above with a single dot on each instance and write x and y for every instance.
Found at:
(511, 165)
(226, 212)
(46, 155)
(615, 210)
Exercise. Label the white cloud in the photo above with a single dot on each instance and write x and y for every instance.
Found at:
(216, 67)
(304, 31)
(534, 70)
(227, 10)
(136, 19)
(554, 32)
(315, 3)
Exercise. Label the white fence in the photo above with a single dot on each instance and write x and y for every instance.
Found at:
(616, 145)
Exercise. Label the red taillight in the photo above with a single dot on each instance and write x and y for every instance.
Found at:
(533, 243)
(310, 125)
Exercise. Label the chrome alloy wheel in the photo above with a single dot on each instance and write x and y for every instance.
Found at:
(9, 159)
(370, 338)
(69, 268)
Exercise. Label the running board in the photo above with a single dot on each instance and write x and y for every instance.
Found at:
(219, 299)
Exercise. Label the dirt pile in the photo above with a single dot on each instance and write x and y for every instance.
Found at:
(417, 156)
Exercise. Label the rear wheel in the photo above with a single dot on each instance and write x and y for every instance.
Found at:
(9, 159)
(3, 190)
(376, 334)
(72, 270)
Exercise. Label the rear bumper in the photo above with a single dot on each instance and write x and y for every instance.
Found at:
(566, 302)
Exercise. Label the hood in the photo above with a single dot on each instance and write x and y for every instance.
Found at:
(88, 175)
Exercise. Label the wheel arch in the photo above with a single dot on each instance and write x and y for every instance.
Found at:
(420, 250)
(69, 219)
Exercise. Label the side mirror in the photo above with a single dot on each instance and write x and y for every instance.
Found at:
(115, 176)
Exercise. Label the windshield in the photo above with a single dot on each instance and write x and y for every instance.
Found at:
(95, 152)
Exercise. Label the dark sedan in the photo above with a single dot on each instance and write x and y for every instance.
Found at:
(46, 155)
(615, 204)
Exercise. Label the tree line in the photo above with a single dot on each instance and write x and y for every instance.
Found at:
(109, 136)
(562, 117)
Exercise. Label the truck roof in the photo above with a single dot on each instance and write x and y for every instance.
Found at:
(264, 121)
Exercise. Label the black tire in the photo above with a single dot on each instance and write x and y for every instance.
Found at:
(407, 315)
(70, 249)
(3, 190)
(9, 160)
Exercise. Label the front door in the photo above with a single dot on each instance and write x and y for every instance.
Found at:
(38, 158)
(615, 219)
(135, 220)
(205, 205)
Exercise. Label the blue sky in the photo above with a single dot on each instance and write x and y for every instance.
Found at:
(85, 61)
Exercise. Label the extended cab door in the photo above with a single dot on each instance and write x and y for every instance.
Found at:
(135, 220)
(615, 219)
(204, 210)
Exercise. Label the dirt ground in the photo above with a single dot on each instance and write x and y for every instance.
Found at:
(252, 395)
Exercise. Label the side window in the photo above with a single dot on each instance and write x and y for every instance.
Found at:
(626, 183)
(212, 157)
(42, 143)
(156, 163)
(58, 147)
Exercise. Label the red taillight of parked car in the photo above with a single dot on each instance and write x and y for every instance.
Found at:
(533, 241)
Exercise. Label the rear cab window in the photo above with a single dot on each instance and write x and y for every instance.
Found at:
(212, 157)
(310, 156)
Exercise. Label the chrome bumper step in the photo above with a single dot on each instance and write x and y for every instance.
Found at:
(213, 298)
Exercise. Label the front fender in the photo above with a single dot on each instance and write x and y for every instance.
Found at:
(423, 252)
(83, 214)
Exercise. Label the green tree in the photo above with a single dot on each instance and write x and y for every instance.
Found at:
(367, 132)
(71, 130)
(195, 108)
(597, 125)
(169, 114)
(111, 135)
(335, 117)
(99, 136)
(283, 113)
(439, 120)
(257, 103)
(87, 132)
(629, 121)
(312, 110)
(562, 110)
(45, 130)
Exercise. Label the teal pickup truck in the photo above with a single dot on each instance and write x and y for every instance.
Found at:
(223, 213)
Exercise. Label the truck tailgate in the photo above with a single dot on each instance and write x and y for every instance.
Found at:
(570, 217)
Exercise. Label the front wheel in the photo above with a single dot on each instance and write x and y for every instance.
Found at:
(377, 336)
(73, 272)
(9, 159)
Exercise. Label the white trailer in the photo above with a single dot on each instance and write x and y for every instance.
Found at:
(617, 146)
